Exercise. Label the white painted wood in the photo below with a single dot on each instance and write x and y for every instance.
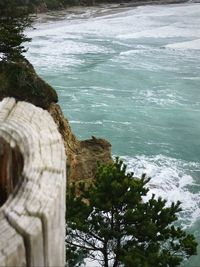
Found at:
(32, 221)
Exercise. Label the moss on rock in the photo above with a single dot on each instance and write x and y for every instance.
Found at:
(19, 80)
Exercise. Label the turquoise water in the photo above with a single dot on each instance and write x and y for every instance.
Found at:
(131, 75)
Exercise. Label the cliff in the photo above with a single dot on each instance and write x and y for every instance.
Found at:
(40, 6)
(46, 5)
(19, 80)
(82, 155)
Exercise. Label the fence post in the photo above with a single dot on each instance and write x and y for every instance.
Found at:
(32, 187)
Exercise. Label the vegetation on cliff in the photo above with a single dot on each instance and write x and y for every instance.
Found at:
(45, 5)
(112, 221)
(19, 80)
(14, 18)
(18, 77)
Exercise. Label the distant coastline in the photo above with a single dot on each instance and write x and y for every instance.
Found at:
(48, 5)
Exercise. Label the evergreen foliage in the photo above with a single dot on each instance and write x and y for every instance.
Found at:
(44, 5)
(14, 18)
(111, 222)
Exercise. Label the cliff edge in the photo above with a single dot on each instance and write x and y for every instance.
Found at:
(19, 80)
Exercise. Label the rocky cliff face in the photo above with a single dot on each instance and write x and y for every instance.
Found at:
(82, 156)
(19, 80)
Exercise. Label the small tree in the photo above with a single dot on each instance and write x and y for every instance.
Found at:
(111, 222)
(14, 18)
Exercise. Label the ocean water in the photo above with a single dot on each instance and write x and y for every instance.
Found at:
(132, 76)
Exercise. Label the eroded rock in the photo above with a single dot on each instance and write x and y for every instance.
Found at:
(82, 156)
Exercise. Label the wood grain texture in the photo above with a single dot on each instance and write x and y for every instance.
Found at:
(32, 220)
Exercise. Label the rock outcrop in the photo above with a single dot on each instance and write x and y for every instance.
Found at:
(19, 80)
(82, 156)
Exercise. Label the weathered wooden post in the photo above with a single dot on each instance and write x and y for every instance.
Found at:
(32, 187)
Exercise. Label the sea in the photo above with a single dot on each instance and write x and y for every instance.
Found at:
(131, 75)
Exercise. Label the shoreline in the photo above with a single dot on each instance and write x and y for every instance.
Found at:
(88, 11)
(115, 4)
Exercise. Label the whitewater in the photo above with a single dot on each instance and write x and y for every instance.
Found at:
(131, 76)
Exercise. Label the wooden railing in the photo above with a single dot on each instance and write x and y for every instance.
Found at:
(32, 187)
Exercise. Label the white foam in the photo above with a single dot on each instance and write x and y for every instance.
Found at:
(132, 52)
(97, 105)
(60, 43)
(163, 32)
(170, 179)
(117, 122)
(158, 98)
(85, 122)
(195, 45)
(143, 21)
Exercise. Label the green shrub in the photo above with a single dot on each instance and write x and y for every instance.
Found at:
(109, 221)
